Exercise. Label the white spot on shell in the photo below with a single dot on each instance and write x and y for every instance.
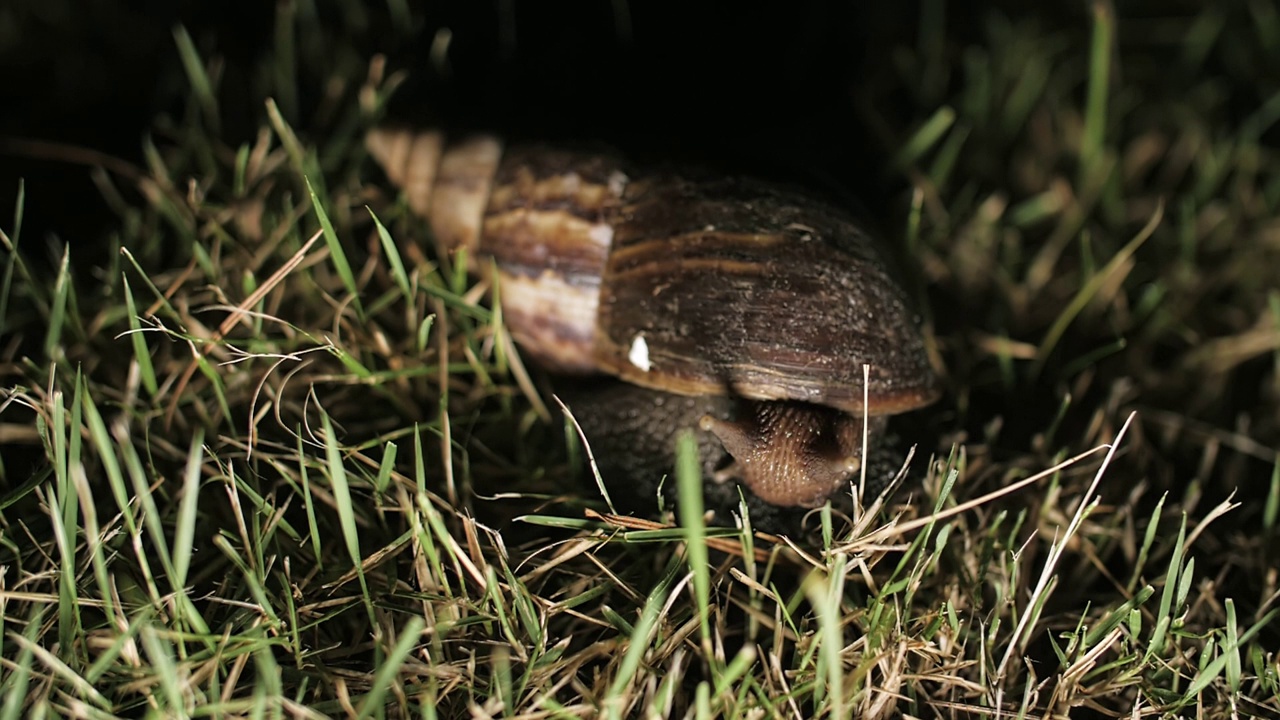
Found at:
(601, 234)
(617, 183)
(639, 355)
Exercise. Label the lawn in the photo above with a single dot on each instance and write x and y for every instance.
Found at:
(266, 455)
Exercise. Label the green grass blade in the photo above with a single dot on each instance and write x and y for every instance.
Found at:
(392, 253)
(140, 352)
(18, 676)
(1095, 116)
(689, 487)
(925, 137)
(346, 511)
(58, 308)
(160, 655)
(188, 512)
(387, 673)
(641, 638)
(201, 85)
(1090, 289)
(337, 255)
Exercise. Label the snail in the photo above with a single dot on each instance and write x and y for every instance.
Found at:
(742, 308)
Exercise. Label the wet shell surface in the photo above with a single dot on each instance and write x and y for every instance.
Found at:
(738, 287)
(685, 284)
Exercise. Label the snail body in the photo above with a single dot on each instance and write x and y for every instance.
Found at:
(736, 306)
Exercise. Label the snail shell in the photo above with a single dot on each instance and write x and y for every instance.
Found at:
(761, 299)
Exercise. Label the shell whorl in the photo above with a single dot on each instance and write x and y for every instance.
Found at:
(758, 301)
(682, 282)
(545, 216)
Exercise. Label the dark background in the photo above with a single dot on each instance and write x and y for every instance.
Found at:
(772, 87)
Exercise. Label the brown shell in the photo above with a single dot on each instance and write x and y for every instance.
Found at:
(696, 285)
(735, 286)
(548, 226)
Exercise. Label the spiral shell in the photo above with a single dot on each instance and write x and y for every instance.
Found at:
(686, 283)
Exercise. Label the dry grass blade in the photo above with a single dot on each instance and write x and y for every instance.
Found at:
(343, 495)
(1086, 504)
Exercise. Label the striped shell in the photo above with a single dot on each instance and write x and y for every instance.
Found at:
(739, 287)
(688, 284)
(761, 303)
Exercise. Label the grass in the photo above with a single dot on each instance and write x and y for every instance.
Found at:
(274, 459)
